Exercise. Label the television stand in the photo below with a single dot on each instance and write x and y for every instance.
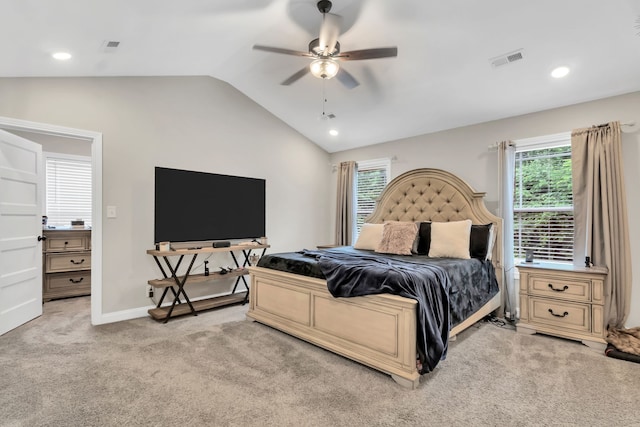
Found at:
(176, 283)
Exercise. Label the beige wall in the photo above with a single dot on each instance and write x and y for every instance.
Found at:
(195, 123)
(463, 151)
(200, 123)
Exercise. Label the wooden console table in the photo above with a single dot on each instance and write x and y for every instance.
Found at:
(175, 282)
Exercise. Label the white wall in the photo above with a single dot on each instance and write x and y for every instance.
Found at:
(195, 123)
(463, 151)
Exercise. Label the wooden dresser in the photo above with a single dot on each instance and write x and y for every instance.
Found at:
(66, 263)
(563, 300)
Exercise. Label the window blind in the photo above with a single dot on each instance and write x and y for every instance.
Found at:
(67, 189)
(371, 178)
(543, 205)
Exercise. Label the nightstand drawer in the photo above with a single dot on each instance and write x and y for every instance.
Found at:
(558, 287)
(65, 241)
(67, 262)
(563, 315)
(67, 284)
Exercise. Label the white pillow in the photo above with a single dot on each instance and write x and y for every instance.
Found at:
(369, 237)
(450, 239)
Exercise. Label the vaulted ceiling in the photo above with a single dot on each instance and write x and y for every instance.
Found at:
(446, 74)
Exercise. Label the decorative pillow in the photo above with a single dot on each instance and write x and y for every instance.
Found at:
(414, 247)
(398, 238)
(424, 238)
(480, 241)
(450, 239)
(369, 237)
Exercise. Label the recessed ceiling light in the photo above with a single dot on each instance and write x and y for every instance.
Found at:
(62, 56)
(560, 72)
(333, 132)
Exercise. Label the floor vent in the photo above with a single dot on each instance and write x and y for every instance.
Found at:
(507, 58)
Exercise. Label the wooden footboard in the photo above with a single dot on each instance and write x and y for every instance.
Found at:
(376, 330)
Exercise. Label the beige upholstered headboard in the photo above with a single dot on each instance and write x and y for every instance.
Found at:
(439, 196)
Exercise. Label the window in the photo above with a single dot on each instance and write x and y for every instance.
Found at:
(543, 205)
(371, 178)
(67, 189)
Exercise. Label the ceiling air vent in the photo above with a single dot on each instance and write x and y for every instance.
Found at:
(110, 45)
(507, 58)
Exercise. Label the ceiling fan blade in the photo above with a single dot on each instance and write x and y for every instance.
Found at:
(329, 32)
(295, 77)
(281, 50)
(347, 79)
(356, 55)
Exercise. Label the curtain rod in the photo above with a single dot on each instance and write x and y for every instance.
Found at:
(495, 145)
(391, 159)
(632, 125)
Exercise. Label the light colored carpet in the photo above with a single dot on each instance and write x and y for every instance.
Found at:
(221, 370)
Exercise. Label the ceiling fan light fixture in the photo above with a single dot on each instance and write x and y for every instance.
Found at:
(324, 68)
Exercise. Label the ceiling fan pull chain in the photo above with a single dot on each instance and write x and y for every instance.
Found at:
(324, 98)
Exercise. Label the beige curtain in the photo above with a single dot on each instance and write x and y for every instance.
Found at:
(600, 212)
(507, 166)
(345, 203)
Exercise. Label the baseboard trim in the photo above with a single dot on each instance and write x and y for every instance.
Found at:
(136, 313)
(119, 316)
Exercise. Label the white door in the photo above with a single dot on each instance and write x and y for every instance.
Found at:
(21, 178)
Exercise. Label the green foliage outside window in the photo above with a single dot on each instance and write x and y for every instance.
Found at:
(543, 205)
(371, 182)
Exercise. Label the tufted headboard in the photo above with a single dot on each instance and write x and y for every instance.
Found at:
(439, 196)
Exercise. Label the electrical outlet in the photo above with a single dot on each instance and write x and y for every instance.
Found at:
(150, 291)
(507, 315)
(517, 312)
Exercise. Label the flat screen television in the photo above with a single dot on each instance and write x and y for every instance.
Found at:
(198, 206)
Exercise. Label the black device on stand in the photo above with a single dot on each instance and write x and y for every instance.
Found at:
(206, 268)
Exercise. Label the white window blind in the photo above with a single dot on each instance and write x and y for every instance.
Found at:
(371, 178)
(543, 205)
(67, 189)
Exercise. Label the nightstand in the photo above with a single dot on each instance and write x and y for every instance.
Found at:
(66, 262)
(563, 300)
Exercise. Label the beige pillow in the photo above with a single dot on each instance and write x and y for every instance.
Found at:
(398, 238)
(369, 237)
(450, 239)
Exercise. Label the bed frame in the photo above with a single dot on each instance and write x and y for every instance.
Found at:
(376, 330)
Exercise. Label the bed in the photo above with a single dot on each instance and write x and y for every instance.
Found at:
(378, 330)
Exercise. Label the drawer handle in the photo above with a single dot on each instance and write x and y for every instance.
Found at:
(76, 281)
(565, 314)
(564, 288)
(77, 262)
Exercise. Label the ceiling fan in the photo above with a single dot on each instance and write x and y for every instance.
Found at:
(325, 52)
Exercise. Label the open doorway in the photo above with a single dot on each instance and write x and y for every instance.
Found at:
(78, 142)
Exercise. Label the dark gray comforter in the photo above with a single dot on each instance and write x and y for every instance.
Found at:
(447, 290)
